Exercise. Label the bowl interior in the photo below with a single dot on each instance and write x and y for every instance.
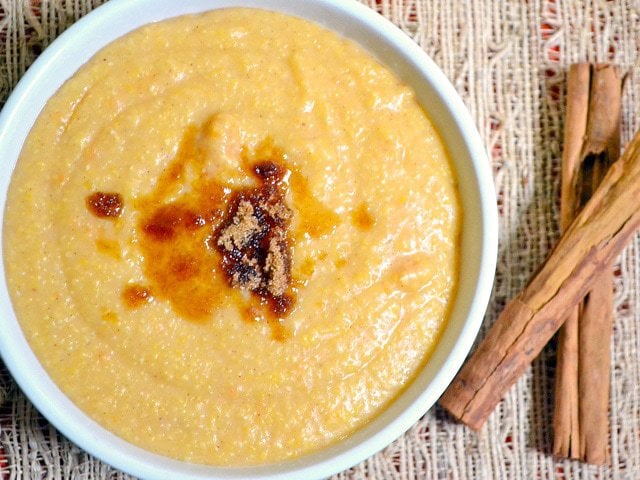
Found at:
(478, 243)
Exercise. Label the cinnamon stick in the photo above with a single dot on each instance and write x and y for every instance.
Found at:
(594, 340)
(565, 416)
(592, 241)
(591, 144)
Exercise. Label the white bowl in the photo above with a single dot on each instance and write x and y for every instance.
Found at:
(479, 229)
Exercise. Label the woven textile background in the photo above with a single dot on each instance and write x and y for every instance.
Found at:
(508, 59)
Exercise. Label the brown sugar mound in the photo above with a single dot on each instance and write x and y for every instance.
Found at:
(254, 239)
(243, 228)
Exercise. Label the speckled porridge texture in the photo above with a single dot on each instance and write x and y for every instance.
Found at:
(373, 239)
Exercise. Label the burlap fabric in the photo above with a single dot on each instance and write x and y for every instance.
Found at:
(508, 59)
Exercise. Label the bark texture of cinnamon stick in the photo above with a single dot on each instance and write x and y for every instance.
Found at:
(591, 145)
(592, 241)
(565, 415)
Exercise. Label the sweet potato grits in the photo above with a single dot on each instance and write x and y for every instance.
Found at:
(232, 238)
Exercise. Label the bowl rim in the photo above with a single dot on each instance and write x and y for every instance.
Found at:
(95, 439)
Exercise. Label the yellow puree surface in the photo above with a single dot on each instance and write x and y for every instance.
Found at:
(371, 302)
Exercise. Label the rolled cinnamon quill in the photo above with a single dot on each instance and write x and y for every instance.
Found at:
(591, 145)
(592, 241)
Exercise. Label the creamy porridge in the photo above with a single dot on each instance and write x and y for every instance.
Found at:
(231, 238)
